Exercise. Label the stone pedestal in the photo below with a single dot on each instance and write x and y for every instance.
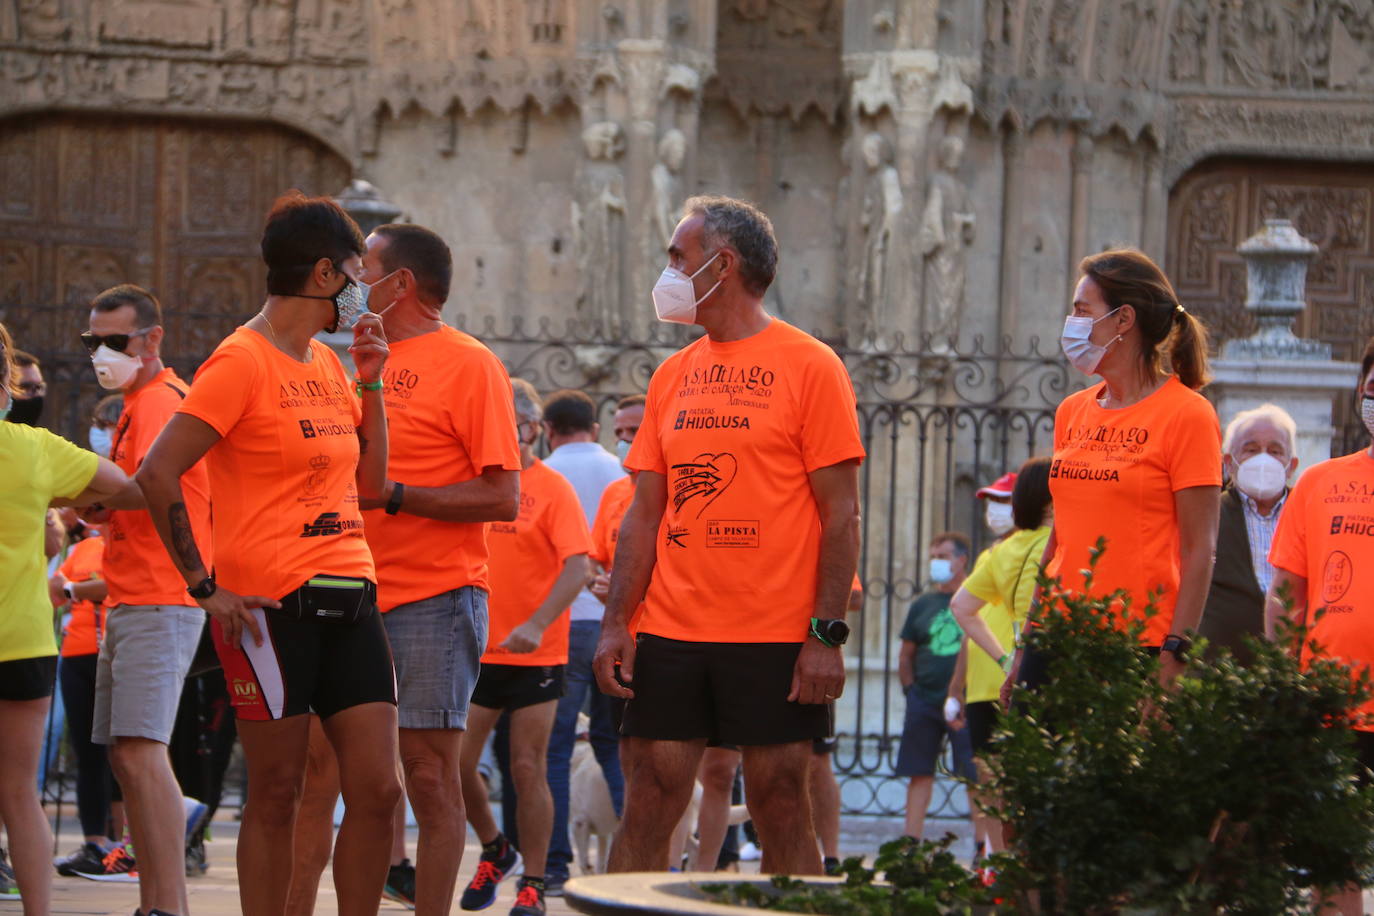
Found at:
(1307, 390)
(1274, 365)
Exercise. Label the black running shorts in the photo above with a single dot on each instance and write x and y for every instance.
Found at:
(727, 693)
(514, 687)
(28, 678)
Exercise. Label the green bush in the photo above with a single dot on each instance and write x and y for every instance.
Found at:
(1232, 791)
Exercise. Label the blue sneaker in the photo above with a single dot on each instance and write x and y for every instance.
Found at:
(195, 815)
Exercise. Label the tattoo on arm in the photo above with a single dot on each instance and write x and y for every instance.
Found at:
(183, 540)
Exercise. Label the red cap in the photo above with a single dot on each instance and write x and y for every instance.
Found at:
(1001, 488)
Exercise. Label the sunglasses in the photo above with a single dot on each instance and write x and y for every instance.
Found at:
(116, 342)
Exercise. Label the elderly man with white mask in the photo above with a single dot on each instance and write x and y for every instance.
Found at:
(1259, 458)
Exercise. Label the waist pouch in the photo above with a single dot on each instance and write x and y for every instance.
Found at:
(336, 599)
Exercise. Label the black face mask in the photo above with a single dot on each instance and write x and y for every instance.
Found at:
(26, 410)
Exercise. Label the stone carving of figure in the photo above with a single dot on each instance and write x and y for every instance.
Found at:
(947, 230)
(881, 224)
(1188, 41)
(663, 215)
(598, 222)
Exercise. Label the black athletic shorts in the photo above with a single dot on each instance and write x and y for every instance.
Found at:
(730, 693)
(513, 687)
(310, 665)
(981, 721)
(28, 678)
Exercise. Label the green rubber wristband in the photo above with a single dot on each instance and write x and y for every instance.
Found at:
(359, 386)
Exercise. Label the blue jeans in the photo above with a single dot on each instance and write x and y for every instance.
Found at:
(581, 689)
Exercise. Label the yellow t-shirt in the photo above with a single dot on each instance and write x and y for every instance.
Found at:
(1004, 577)
(39, 467)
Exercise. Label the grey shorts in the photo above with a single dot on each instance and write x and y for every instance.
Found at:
(144, 657)
(436, 646)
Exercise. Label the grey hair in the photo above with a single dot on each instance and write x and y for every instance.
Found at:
(1271, 412)
(529, 408)
(744, 228)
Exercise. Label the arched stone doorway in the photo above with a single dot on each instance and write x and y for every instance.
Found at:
(172, 205)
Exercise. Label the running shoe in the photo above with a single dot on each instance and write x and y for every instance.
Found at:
(5, 870)
(400, 884)
(831, 866)
(553, 885)
(529, 900)
(9, 888)
(195, 815)
(118, 865)
(197, 863)
(86, 860)
(492, 869)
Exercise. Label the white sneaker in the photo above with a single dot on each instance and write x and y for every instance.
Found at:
(749, 853)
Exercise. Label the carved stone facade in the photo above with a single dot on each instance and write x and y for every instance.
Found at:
(1077, 118)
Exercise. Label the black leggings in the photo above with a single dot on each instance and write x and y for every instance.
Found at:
(95, 785)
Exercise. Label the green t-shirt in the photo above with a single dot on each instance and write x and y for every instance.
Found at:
(38, 467)
(931, 626)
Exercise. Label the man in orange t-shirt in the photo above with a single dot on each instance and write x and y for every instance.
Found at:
(455, 466)
(741, 541)
(152, 627)
(538, 566)
(1323, 556)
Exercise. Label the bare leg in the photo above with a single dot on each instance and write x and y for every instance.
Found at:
(657, 789)
(398, 834)
(364, 739)
(314, 834)
(775, 786)
(152, 802)
(430, 757)
(22, 723)
(530, 727)
(717, 775)
(917, 801)
(481, 720)
(825, 805)
(276, 753)
(985, 825)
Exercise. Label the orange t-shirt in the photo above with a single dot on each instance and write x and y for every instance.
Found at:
(138, 570)
(1326, 535)
(736, 428)
(81, 636)
(1114, 474)
(610, 512)
(282, 474)
(527, 556)
(450, 414)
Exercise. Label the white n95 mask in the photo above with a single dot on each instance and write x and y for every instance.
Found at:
(114, 369)
(674, 296)
(1261, 476)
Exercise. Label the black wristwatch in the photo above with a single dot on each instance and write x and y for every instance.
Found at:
(1177, 646)
(398, 493)
(831, 631)
(204, 588)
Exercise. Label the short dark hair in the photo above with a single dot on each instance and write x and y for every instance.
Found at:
(423, 253)
(147, 310)
(24, 359)
(1365, 365)
(299, 231)
(744, 228)
(960, 541)
(1031, 495)
(631, 400)
(569, 411)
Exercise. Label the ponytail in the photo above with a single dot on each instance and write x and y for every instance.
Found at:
(1127, 276)
(1188, 350)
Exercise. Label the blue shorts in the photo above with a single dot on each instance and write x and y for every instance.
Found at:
(437, 645)
(923, 734)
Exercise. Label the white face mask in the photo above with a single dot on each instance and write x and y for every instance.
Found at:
(1367, 413)
(941, 570)
(622, 450)
(1261, 476)
(102, 440)
(1083, 354)
(114, 369)
(998, 517)
(674, 296)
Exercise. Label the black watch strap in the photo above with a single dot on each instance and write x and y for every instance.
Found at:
(204, 588)
(398, 493)
(1177, 646)
(827, 633)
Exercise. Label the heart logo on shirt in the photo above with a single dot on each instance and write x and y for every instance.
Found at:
(706, 476)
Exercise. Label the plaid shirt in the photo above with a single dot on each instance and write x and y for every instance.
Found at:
(1260, 530)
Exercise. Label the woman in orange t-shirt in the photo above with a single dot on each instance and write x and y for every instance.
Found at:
(292, 446)
(1137, 458)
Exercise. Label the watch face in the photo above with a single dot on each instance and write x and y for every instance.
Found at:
(837, 631)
